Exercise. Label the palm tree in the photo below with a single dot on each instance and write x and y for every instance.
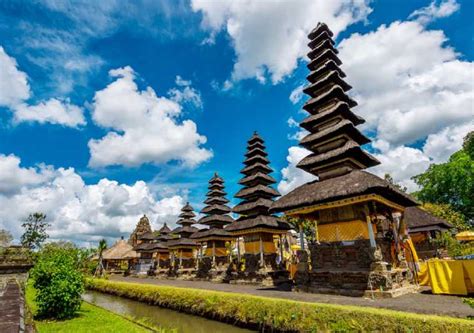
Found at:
(100, 266)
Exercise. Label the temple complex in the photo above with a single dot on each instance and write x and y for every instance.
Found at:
(183, 249)
(263, 261)
(213, 262)
(360, 237)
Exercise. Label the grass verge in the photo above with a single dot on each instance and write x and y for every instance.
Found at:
(89, 319)
(278, 314)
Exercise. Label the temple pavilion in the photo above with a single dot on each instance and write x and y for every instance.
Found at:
(260, 229)
(361, 239)
(215, 258)
(183, 249)
(162, 254)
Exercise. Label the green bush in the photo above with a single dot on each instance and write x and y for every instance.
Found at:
(279, 314)
(58, 282)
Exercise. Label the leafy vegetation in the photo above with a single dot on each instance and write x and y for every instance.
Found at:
(89, 318)
(455, 248)
(279, 314)
(451, 183)
(58, 281)
(5, 238)
(447, 213)
(35, 231)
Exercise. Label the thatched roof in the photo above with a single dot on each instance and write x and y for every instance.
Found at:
(335, 92)
(150, 247)
(257, 178)
(121, 250)
(326, 54)
(181, 242)
(246, 206)
(255, 168)
(185, 229)
(164, 229)
(339, 109)
(147, 236)
(209, 233)
(259, 189)
(216, 219)
(352, 184)
(216, 209)
(260, 221)
(418, 219)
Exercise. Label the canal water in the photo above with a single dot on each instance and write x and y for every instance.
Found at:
(183, 323)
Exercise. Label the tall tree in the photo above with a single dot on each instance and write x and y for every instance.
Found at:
(5, 238)
(100, 249)
(451, 183)
(35, 231)
(389, 179)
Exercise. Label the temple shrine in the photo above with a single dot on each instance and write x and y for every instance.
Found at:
(214, 260)
(162, 254)
(360, 245)
(183, 249)
(262, 260)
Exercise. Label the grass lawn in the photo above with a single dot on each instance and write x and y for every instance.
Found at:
(89, 319)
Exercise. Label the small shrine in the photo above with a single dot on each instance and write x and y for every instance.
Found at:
(183, 249)
(360, 239)
(261, 231)
(213, 262)
(162, 255)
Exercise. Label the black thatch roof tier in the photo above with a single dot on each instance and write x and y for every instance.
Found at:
(270, 222)
(338, 111)
(418, 219)
(332, 77)
(255, 138)
(256, 159)
(150, 247)
(181, 242)
(345, 127)
(256, 151)
(323, 56)
(249, 206)
(257, 167)
(257, 178)
(187, 208)
(216, 201)
(185, 229)
(186, 222)
(164, 229)
(338, 161)
(187, 215)
(258, 190)
(215, 186)
(211, 233)
(323, 45)
(215, 219)
(352, 184)
(325, 35)
(322, 70)
(333, 93)
(216, 193)
(216, 209)
(320, 27)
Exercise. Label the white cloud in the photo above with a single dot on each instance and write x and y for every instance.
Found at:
(14, 86)
(186, 95)
(77, 211)
(434, 11)
(293, 177)
(297, 94)
(15, 91)
(52, 111)
(269, 37)
(145, 127)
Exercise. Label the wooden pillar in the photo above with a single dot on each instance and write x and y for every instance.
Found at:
(301, 238)
(180, 258)
(281, 248)
(213, 253)
(158, 261)
(261, 251)
(369, 227)
(238, 249)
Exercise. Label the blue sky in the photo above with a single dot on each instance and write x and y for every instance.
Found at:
(223, 69)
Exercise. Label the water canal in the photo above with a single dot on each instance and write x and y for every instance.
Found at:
(183, 323)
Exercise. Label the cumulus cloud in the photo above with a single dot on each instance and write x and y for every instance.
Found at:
(296, 94)
(185, 93)
(15, 92)
(144, 127)
(76, 211)
(269, 37)
(434, 11)
(293, 177)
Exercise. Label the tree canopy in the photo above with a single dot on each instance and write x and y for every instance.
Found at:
(451, 183)
(35, 231)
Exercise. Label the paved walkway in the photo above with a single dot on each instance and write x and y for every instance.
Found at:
(11, 308)
(424, 302)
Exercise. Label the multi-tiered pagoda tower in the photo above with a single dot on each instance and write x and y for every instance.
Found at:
(162, 257)
(184, 248)
(354, 212)
(216, 217)
(256, 225)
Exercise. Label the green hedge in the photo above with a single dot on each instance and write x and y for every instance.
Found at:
(280, 314)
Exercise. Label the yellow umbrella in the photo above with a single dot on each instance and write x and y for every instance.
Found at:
(465, 236)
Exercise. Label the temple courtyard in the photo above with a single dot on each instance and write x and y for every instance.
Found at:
(423, 302)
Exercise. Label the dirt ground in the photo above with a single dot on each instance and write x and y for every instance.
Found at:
(423, 302)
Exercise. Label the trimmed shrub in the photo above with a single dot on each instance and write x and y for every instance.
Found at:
(279, 314)
(58, 282)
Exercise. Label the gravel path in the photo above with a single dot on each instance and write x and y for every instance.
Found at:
(423, 302)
